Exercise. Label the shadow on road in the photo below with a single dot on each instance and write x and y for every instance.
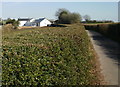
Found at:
(111, 48)
(108, 52)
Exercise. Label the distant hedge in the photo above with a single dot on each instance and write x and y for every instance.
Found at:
(111, 30)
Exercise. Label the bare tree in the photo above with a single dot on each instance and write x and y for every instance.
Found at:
(61, 11)
(87, 17)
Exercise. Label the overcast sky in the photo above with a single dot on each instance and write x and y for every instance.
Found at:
(96, 10)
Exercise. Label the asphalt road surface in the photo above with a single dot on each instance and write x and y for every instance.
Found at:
(108, 53)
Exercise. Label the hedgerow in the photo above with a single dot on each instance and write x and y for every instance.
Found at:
(47, 56)
(110, 30)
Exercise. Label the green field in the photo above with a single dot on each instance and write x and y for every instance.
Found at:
(47, 56)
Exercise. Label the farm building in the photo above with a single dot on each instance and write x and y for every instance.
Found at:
(34, 22)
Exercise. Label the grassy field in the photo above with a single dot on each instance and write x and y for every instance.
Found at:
(48, 56)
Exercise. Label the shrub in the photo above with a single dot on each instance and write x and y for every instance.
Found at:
(13, 22)
(7, 28)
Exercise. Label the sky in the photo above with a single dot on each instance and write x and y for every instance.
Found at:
(96, 10)
(119, 11)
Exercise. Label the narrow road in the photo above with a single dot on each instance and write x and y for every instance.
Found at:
(108, 52)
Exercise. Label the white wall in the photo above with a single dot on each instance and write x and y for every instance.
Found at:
(22, 23)
(32, 20)
(44, 22)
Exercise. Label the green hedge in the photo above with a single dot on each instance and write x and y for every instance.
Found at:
(47, 56)
(111, 30)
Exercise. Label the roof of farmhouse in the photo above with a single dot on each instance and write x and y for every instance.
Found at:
(39, 20)
(24, 19)
(27, 19)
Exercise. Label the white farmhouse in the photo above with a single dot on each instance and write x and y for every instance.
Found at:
(34, 22)
(23, 21)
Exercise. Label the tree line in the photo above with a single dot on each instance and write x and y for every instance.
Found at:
(64, 16)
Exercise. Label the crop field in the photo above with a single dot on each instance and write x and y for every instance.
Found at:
(47, 56)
